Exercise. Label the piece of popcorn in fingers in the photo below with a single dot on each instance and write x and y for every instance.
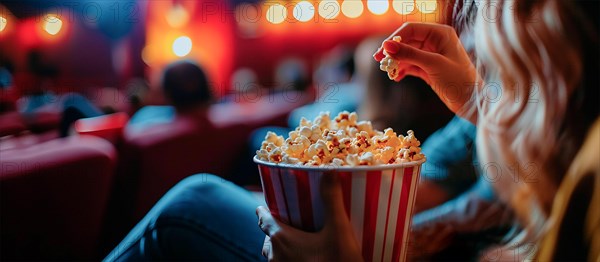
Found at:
(389, 64)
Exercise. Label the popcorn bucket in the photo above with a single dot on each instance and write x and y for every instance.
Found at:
(378, 200)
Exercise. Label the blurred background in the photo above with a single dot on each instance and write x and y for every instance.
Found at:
(92, 136)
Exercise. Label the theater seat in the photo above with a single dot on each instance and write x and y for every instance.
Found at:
(40, 122)
(53, 197)
(109, 127)
(11, 123)
(156, 158)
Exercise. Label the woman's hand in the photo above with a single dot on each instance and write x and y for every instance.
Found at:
(336, 241)
(434, 53)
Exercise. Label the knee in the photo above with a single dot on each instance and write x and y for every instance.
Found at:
(197, 188)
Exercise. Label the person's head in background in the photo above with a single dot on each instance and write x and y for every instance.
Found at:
(291, 74)
(544, 57)
(186, 86)
(137, 91)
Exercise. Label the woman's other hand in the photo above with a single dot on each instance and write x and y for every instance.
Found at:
(434, 53)
(335, 242)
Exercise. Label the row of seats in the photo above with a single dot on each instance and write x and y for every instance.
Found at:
(76, 197)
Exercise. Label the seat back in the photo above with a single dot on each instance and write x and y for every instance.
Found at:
(11, 123)
(156, 158)
(53, 197)
(109, 127)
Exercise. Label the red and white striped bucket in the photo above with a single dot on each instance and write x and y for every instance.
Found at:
(378, 199)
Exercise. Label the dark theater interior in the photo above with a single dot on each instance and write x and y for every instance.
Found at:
(299, 130)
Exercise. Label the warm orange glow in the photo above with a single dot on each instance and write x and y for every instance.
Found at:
(177, 16)
(210, 40)
(3, 22)
(146, 55)
(52, 24)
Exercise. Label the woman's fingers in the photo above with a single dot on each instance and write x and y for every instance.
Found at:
(266, 222)
(425, 36)
(267, 248)
(413, 71)
(412, 55)
(378, 56)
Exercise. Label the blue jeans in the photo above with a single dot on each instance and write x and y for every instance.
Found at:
(203, 217)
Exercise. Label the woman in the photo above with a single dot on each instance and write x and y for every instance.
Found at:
(531, 95)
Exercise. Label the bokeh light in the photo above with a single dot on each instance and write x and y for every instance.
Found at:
(182, 46)
(304, 11)
(352, 8)
(329, 9)
(146, 55)
(276, 14)
(52, 24)
(3, 22)
(426, 6)
(378, 7)
(177, 16)
(403, 7)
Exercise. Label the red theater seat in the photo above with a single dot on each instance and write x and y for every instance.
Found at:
(109, 127)
(11, 123)
(53, 198)
(40, 122)
(160, 156)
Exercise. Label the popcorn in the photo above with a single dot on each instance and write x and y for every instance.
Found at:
(341, 141)
(390, 65)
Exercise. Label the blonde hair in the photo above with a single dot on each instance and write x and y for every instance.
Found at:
(531, 53)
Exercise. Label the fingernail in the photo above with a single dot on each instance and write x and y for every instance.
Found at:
(390, 46)
(378, 56)
(377, 52)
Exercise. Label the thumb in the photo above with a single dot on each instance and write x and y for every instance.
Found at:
(333, 200)
(412, 55)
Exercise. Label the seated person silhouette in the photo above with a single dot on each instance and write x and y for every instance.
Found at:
(186, 87)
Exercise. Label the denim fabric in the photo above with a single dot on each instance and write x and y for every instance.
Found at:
(204, 217)
(451, 157)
